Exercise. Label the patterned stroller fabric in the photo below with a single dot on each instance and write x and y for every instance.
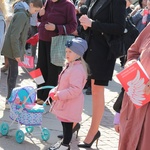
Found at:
(23, 108)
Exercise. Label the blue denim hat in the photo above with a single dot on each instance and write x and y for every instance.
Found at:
(77, 45)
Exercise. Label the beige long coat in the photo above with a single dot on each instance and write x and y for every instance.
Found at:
(135, 123)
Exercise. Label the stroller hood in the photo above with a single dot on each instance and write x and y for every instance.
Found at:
(23, 93)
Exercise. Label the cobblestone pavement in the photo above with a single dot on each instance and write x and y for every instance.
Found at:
(108, 140)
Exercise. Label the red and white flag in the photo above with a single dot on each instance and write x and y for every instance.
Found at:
(33, 40)
(28, 62)
(37, 76)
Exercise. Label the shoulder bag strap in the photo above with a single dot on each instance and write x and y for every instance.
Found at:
(45, 3)
(65, 29)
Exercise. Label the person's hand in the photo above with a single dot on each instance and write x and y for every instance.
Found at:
(50, 26)
(75, 33)
(55, 97)
(147, 88)
(18, 59)
(77, 10)
(129, 63)
(85, 21)
(42, 11)
(116, 126)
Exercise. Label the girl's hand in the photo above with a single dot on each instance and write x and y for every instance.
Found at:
(116, 126)
(147, 88)
(18, 59)
(42, 11)
(85, 21)
(55, 97)
(50, 26)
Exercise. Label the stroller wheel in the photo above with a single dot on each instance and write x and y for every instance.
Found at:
(29, 129)
(4, 128)
(45, 134)
(19, 136)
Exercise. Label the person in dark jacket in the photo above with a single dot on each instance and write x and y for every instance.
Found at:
(97, 23)
(52, 18)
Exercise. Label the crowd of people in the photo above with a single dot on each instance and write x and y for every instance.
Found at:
(89, 62)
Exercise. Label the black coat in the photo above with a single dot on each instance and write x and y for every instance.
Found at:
(98, 50)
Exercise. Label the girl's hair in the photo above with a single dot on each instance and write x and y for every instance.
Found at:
(85, 66)
(36, 3)
(140, 3)
(4, 8)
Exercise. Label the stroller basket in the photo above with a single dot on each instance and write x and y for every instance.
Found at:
(26, 117)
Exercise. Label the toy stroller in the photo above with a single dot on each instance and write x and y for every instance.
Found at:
(25, 111)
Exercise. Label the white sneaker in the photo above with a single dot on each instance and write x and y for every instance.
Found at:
(62, 147)
(56, 145)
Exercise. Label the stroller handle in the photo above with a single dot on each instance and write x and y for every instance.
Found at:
(45, 87)
(40, 88)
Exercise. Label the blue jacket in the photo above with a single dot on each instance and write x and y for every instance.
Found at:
(137, 20)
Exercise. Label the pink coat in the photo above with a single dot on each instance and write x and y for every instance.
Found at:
(135, 123)
(70, 86)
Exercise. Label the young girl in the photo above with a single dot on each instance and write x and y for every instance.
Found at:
(15, 40)
(3, 12)
(67, 96)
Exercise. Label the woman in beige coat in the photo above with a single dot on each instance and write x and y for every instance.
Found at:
(135, 123)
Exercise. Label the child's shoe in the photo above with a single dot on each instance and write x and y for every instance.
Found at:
(55, 146)
(61, 147)
(64, 147)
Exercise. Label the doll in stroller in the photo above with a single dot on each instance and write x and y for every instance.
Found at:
(25, 111)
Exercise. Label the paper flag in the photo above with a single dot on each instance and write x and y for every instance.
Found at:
(37, 76)
(33, 40)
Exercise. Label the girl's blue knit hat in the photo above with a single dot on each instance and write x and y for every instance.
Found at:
(77, 45)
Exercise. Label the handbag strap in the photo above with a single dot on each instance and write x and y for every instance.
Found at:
(65, 29)
(45, 3)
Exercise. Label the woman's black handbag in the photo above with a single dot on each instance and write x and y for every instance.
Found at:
(118, 103)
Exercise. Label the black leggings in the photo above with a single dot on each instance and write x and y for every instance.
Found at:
(67, 132)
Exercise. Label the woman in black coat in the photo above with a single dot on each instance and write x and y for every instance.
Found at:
(97, 24)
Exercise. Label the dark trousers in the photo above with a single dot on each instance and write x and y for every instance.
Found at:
(67, 132)
(12, 76)
(49, 71)
(33, 32)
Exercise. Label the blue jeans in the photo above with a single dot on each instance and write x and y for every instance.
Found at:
(12, 76)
